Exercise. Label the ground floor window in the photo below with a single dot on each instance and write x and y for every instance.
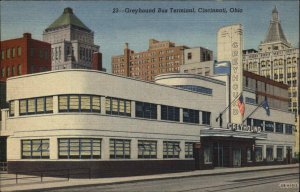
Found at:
(207, 154)
(147, 149)
(119, 149)
(258, 153)
(189, 150)
(35, 149)
(269, 152)
(249, 155)
(279, 152)
(79, 148)
(171, 149)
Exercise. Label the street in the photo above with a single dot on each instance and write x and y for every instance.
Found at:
(273, 181)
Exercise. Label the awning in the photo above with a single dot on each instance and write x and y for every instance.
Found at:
(222, 132)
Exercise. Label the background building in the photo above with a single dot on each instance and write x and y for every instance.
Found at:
(24, 56)
(198, 60)
(161, 57)
(277, 59)
(72, 43)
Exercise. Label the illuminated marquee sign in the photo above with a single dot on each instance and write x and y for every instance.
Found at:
(245, 128)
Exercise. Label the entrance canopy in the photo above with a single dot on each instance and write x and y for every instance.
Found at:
(222, 132)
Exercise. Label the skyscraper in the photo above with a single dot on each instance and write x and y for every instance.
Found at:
(277, 59)
(72, 43)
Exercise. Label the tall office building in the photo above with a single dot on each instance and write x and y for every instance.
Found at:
(72, 43)
(161, 57)
(277, 59)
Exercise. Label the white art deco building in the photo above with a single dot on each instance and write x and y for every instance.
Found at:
(117, 126)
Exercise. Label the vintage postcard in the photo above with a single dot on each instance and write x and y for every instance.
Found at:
(149, 96)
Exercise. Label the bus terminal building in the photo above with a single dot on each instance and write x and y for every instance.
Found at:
(119, 126)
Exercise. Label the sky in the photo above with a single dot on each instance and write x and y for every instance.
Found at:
(112, 30)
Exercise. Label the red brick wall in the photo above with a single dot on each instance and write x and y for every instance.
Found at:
(97, 61)
(25, 59)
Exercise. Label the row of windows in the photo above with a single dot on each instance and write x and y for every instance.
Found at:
(11, 53)
(11, 71)
(90, 148)
(270, 126)
(79, 103)
(269, 153)
(34, 106)
(113, 106)
(195, 88)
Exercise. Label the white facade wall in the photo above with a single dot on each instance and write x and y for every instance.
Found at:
(100, 125)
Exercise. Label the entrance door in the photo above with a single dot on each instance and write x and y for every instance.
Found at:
(218, 155)
(237, 157)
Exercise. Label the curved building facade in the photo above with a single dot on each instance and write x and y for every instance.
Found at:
(118, 126)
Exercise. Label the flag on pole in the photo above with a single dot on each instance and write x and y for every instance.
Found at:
(265, 105)
(241, 105)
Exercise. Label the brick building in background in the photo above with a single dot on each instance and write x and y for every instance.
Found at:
(161, 57)
(24, 56)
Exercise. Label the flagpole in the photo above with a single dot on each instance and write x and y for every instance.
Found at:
(253, 111)
(228, 106)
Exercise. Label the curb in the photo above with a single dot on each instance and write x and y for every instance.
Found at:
(155, 179)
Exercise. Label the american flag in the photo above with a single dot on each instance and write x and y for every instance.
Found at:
(241, 105)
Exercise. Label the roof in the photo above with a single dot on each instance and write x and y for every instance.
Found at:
(68, 18)
(275, 32)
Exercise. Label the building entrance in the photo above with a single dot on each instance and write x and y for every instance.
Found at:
(237, 157)
(229, 151)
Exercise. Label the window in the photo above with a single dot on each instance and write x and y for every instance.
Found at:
(279, 127)
(13, 70)
(146, 110)
(35, 149)
(79, 103)
(3, 72)
(279, 153)
(190, 116)
(41, 55)
(249, 155)
(7, 71)
(7, 53)
(196, 88)
(2, 54)
(257, 123)
(79, 148)
(171, 149)
(205, 118)
(12, 108)
(116, 106)
(19, 51)
(169, 113)
(250, 100)
(31, 52)
(289, 129)
(19, 69)
(36, 105)
(258, 153)
(189, 150)
(119, 149)
(147, 149)
(189, 56)
(269, 126)
(13, 52)
(207, 154)
(269, 152)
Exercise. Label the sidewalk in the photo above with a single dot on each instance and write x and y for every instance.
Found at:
(51, 183)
